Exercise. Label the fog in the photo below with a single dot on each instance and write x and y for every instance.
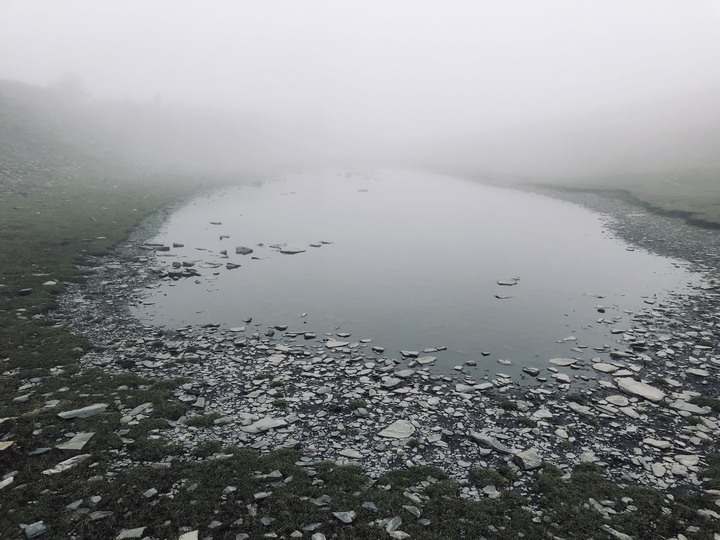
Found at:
(558, 87)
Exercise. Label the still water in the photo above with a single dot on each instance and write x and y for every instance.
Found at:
(412, 261)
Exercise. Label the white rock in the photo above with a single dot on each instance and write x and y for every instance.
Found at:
(90, 410)
(400, 429)
(562, 361)
(67, 464)
(631, 386)
(264, 424)
(618, 400)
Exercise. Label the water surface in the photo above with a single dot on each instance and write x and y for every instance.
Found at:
(413, 262)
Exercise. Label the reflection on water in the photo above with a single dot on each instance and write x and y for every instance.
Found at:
(412, 260)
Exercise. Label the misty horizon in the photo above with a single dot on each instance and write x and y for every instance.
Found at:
(513, 88)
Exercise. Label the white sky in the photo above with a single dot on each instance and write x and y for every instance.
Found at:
(392, 67)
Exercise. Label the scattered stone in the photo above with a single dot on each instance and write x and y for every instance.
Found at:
(35, 530)
(130, 534)
(631, 386)
(528, 459)
(264, 424)
(562, 361)
(85, 412)
(400, 429)
(67, 464)
(335, 344)
(345, 517)
(77, 443)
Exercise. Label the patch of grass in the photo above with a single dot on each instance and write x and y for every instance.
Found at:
(509, 405)
(482, 477)
(705, 401)
(527, 421)
(203, 420)
(357, 404)
(575, 397)
(280, 403)
(147, 449)
(208, 448)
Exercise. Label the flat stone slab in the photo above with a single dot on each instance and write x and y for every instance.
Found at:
(605, 368)
(580, 409)
(67, 464)
(562, 361)
(85, 412)
(290, 250)
(490, 442)
(335, 344)
(130, 534)
(528, 459)
(264, 424)
(631, 386)
(680, 405)
(400, 429)
(618, 400)
(77, 443)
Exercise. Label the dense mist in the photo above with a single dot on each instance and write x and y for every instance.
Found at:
(559, 88)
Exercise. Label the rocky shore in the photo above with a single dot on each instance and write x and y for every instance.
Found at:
(643, 407)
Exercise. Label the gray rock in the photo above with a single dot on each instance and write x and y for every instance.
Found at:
(490, 442)
(390, 382)
(370, 507)
(264, 424)
(400, 429)
(562, 361)
(67, 464)
(528, 459)
(681, 405)
(393, 524)
(242, 250)
(129, 534)
(345, 517)
(334, 344)
(35, 529)
(580, 409)
(605, 368)
(85, 412)
(631, 386)
(618, 400)
(291, 250)
(77, 443)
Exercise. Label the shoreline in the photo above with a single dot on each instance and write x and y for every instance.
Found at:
(516, 422)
